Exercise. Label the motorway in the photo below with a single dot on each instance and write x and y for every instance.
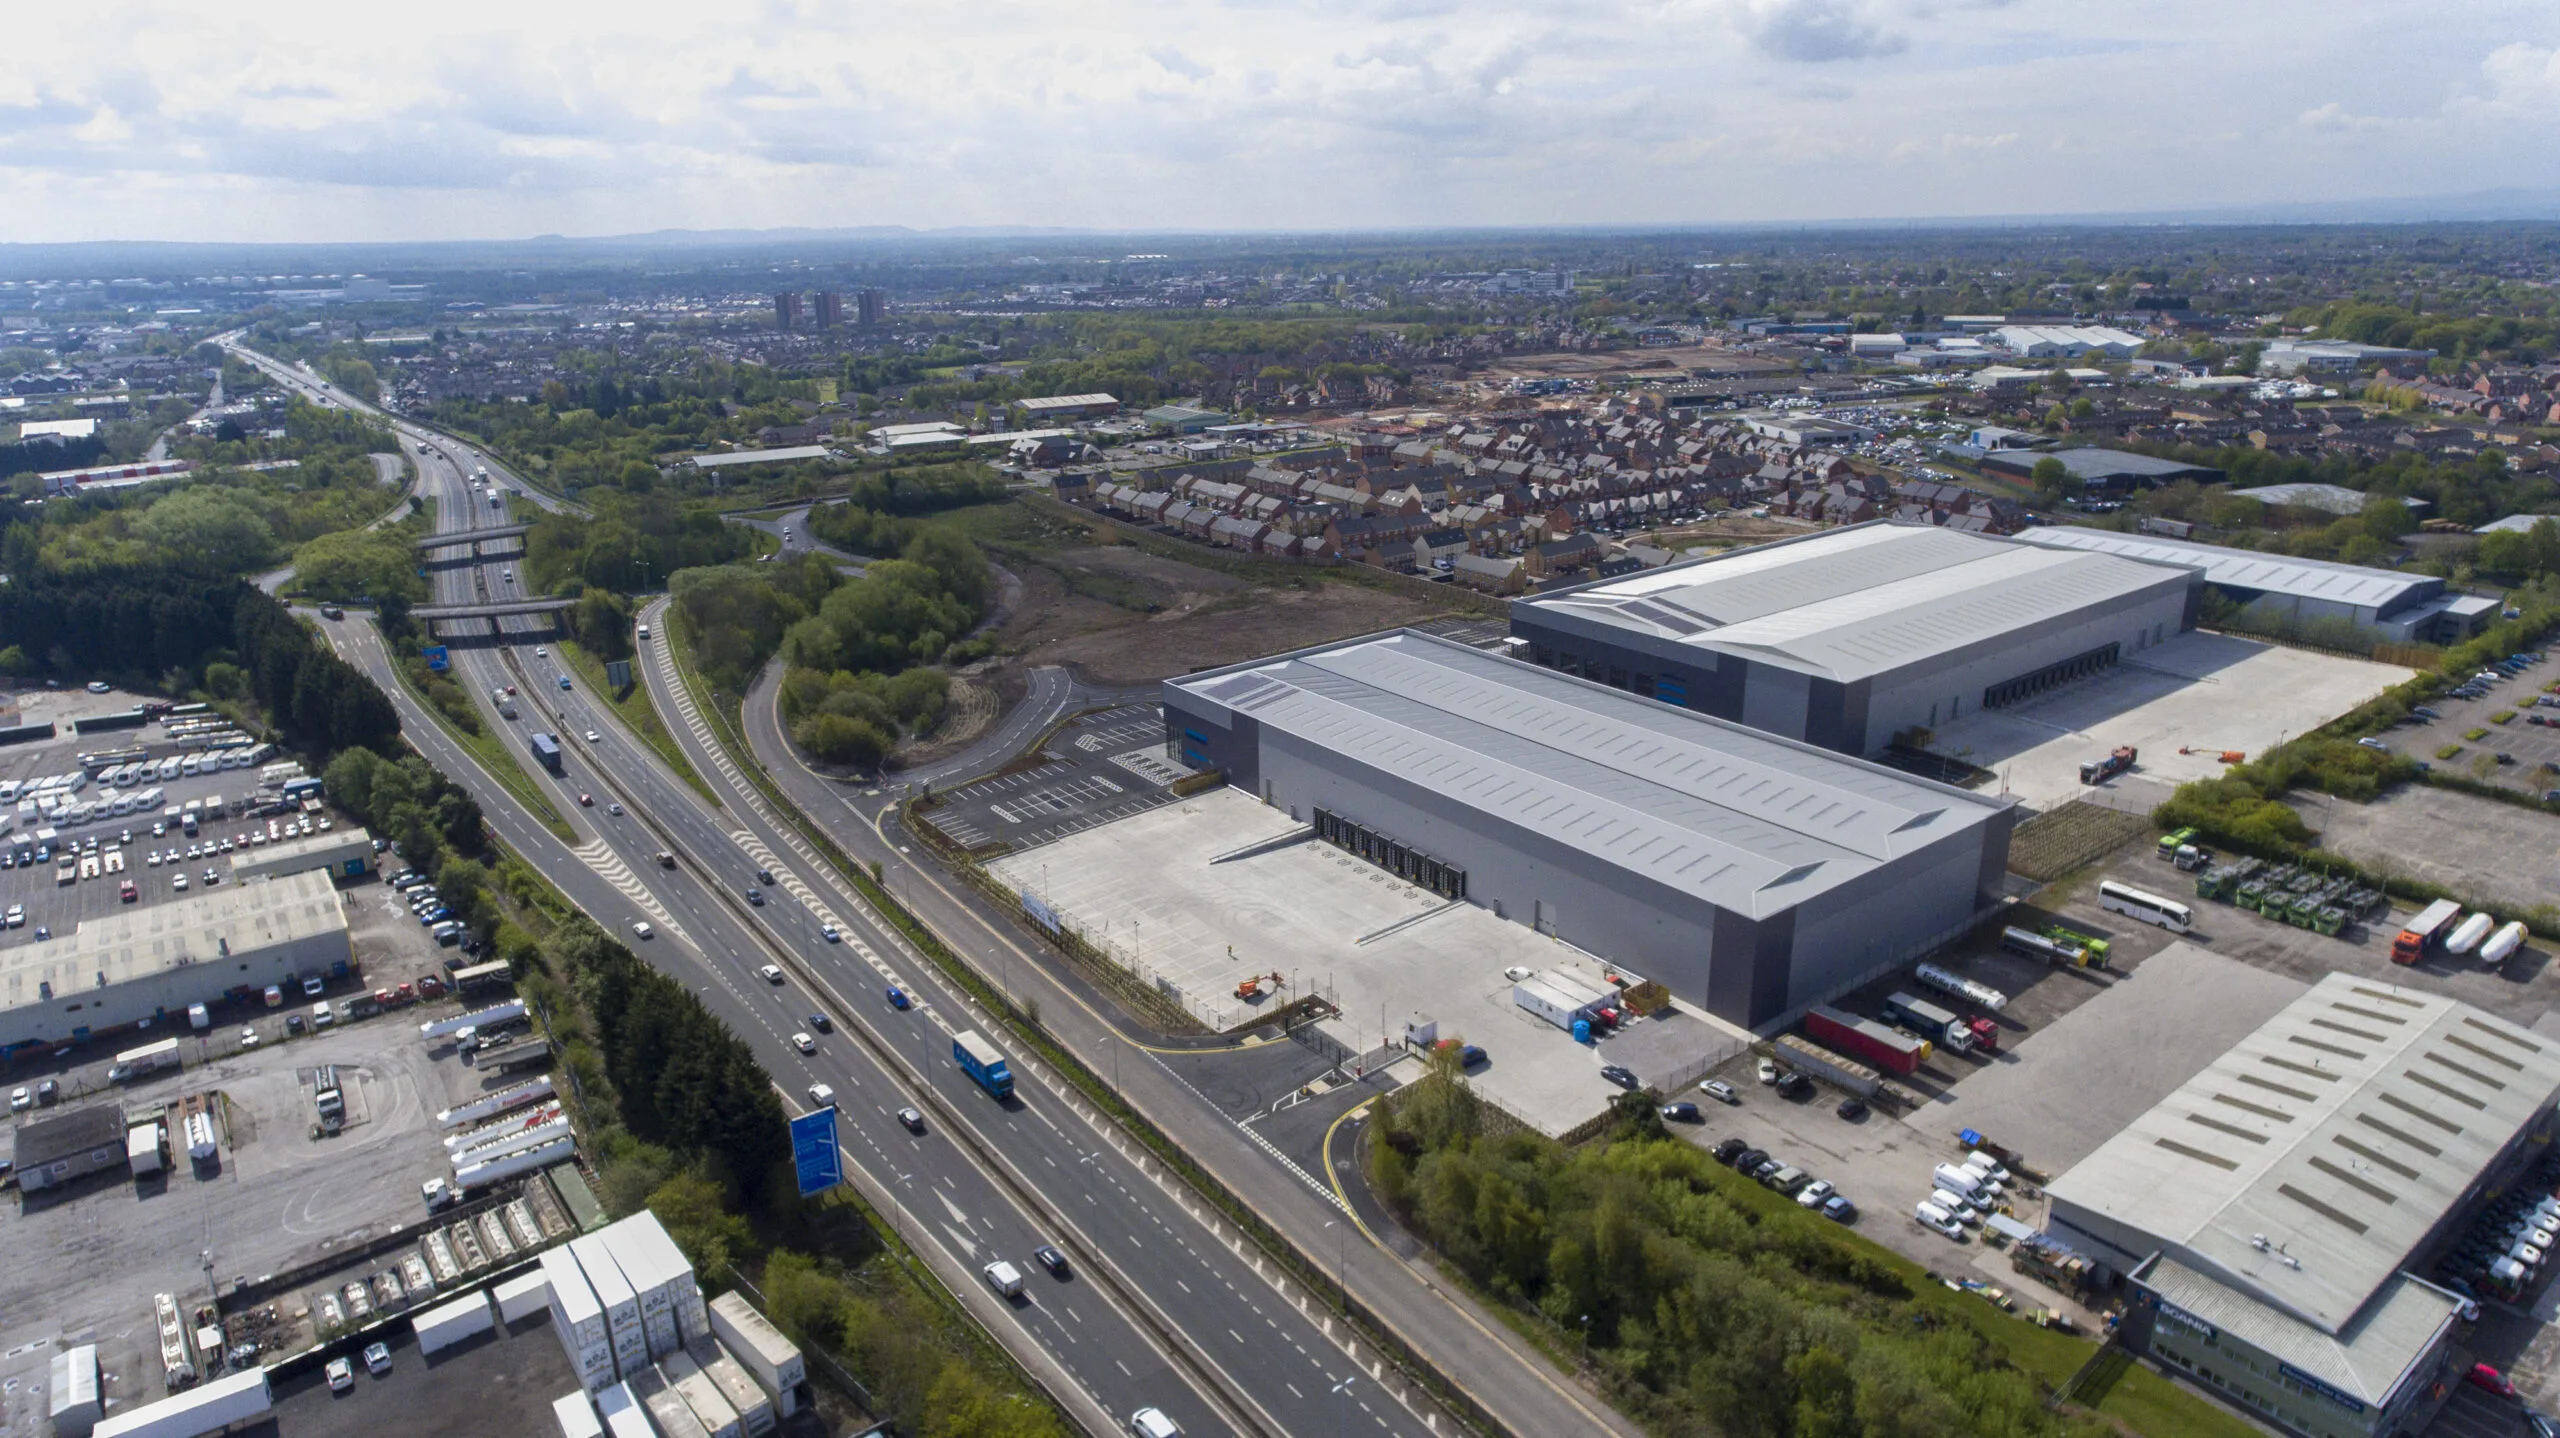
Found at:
(1165, 1294)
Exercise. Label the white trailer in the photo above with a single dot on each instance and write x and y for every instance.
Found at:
(496, 1142)
(208, 1408)
(480, 1175)
(523, 1295)
(490, 1017)
(497, 1103)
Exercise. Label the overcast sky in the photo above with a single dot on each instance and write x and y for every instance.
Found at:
(288, 120)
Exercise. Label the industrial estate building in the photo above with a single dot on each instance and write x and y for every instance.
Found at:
(2279, 589)
(1851, 636)
(1751, 873)
(2109, 471)
(2267, 1212)
(152, 962)
(343, 853)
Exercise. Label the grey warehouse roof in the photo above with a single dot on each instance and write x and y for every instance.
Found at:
(133, 943)
(2304, 1165)
(1749, 822)
(2351, 584)
(1862, 600)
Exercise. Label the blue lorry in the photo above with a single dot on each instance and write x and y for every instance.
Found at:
(983, 1062)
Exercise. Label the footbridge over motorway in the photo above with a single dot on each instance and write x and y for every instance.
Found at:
(467, 623)
(474, 536)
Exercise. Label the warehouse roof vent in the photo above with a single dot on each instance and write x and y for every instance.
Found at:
(1800, 871)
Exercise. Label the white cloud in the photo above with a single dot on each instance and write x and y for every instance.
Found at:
(292, 119)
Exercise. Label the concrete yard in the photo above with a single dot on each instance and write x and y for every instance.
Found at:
(2150, 1030)
(1197, 895)
(82, 1265)
(1102, 767)
(2209, 692)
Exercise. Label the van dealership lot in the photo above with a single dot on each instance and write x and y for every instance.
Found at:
(2200, 691)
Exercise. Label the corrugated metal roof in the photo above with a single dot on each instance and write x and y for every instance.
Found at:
(2351, 584)
(2306, 1163)
(1862, 600)
(1747, 821)
(131, 943)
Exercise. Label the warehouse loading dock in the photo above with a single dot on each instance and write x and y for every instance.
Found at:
(1165, 891)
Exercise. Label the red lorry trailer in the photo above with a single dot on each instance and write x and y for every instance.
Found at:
(1866, 1039)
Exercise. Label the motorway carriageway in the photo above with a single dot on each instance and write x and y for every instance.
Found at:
(1192, 1275)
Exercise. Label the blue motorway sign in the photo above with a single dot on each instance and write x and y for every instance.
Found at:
(814, 1153)
(435, 657)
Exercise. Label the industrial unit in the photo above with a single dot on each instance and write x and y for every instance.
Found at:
(344, 853)
(1849, 637)
(152, 962)
(1754, 874)
(2269, 1210)
(2279, 589)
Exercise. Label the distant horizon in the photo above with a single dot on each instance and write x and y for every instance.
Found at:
(475, 120)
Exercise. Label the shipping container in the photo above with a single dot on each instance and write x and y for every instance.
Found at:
(718, 1417)
(753, 1403)
(623, 1415)
(1866, 1039)
(576, 1414)
(208, 1408)
(771, 1359)
(447, 1324)
(668, 1412)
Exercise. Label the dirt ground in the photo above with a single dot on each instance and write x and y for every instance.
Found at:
(1104, 631)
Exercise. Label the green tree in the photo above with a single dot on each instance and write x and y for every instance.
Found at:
(208, 528)
(2054, 480)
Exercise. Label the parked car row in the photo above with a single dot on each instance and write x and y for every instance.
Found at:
(1778, 1175)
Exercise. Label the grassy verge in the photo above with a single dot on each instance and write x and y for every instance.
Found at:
(498, 760)
(724, 714)
(638, 714)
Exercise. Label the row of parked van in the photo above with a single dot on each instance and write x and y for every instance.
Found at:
(1965, 1194)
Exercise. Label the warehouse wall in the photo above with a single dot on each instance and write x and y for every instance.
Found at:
(1948, 687)
(1891, 916)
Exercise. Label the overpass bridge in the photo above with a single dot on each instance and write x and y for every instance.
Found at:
(473, 536)
(432, 613)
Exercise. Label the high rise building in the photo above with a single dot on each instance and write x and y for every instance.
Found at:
(786, 310)
(873, 307)
(830, 309)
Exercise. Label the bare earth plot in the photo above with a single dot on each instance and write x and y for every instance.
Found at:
(2472, 846)
(2208, 692)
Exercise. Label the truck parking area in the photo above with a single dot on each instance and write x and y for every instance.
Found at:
(82, 1262)
(1097, 768)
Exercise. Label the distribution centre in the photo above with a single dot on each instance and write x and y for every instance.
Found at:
(1753, 874)
(1852, 636)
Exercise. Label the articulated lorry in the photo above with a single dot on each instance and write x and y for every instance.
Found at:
(1940, 1026)
(1866, 1039)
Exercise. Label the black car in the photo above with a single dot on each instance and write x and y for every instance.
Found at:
(764, 876)
(1725, 1151)
(755, 896)
(1794, 1085)
(822, 1023)
(1852, 1109)
(1620, 1075)
(1749, 1160)
(1051, 1259)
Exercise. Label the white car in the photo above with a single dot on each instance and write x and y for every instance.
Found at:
(772, 973)
(16, 918)
(641, 928)
(1812, 1194)
(804, 1043)
(822, 1096)
(342, 1375)
(21, 1099)
(179, 883)
(1151, 1423)
(540, 652)
(832, 934)
(594, 738)
(248, 1037)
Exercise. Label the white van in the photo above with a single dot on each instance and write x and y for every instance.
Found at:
(1984, 1164)
(1956, 1207)
(321, 1016)
(1932, 1216)
(1957, 1179)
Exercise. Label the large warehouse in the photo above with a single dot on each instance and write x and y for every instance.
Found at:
(2269, 1210)
(1849, 637)
(2277, 588)
(1751, 874)
(150, 962)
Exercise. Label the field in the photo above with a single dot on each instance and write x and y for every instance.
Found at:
(1116, 613)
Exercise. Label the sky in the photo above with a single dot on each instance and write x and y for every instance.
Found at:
(286, 120)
